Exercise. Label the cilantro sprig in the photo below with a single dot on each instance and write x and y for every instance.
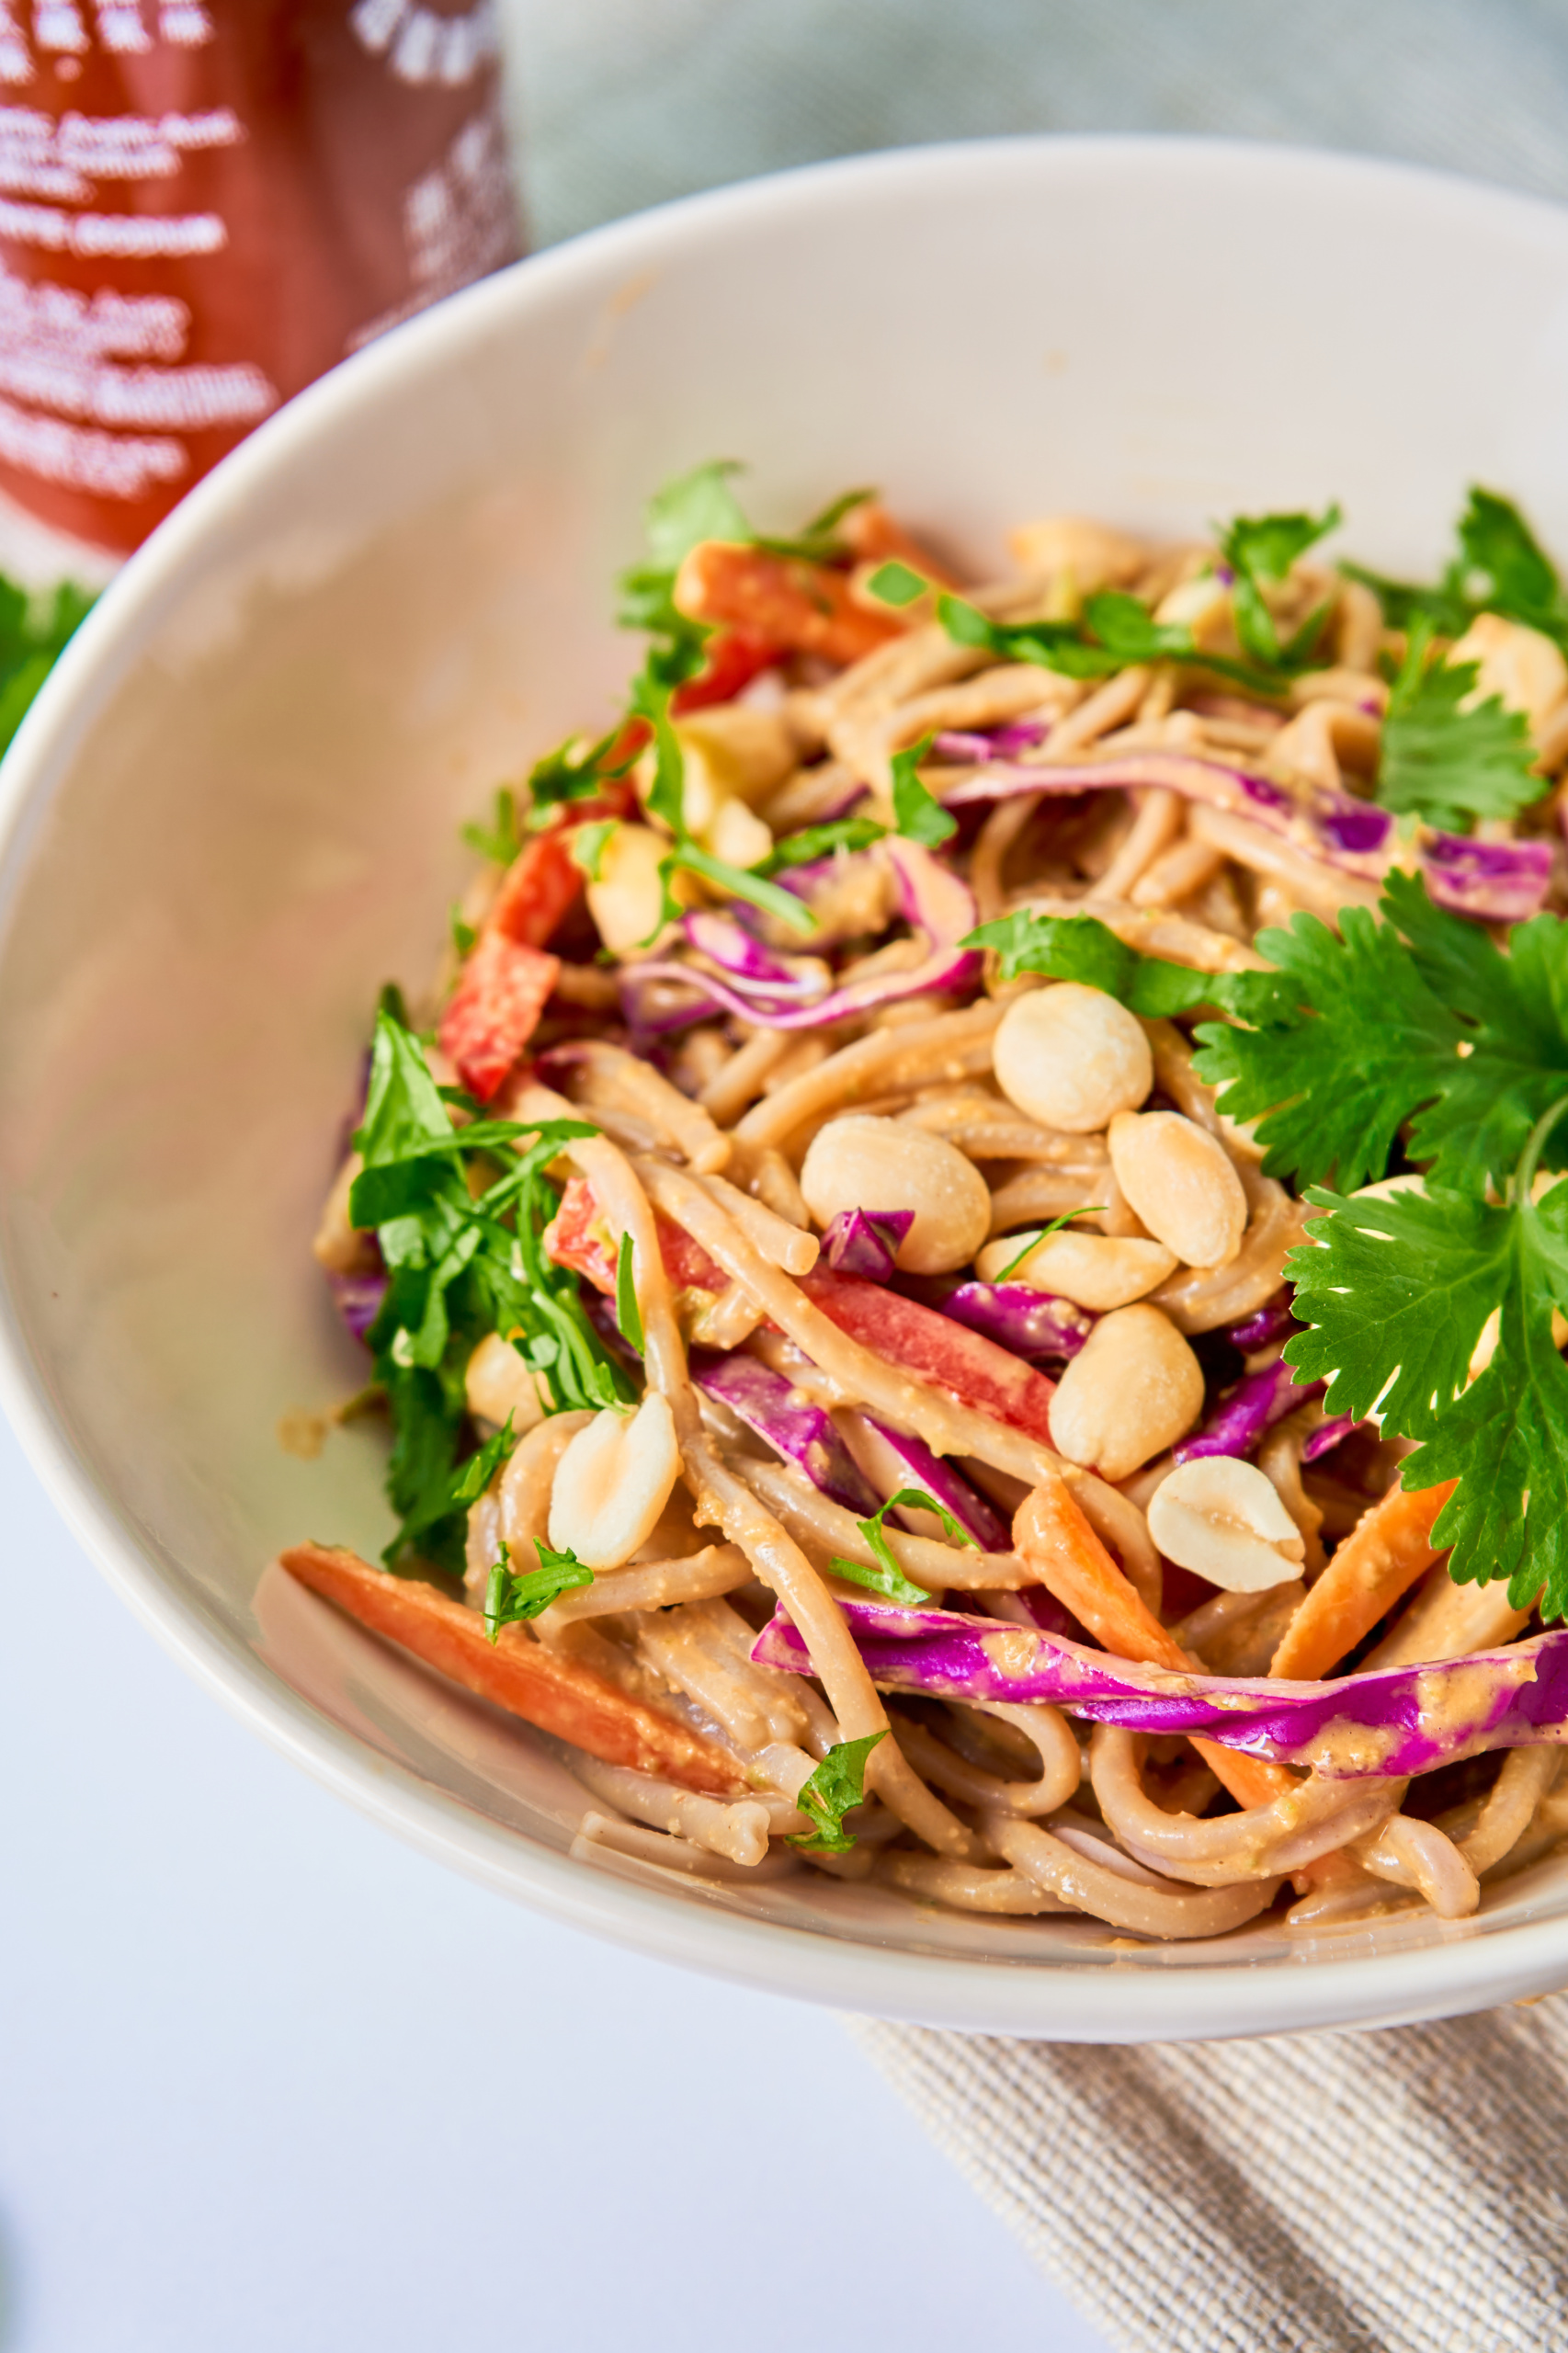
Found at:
(887, 1578)
(514, 1596)
(1081, 947)
(1259, 549)
(820, 841)
(461, 1265)
(1442, 762)
(1498, 566)
(1419, 1018)
(1116, 630)
(1397, 1294)
(837, 1786)
(917, 814)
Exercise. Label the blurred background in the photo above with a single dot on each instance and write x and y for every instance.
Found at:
(268, 2080)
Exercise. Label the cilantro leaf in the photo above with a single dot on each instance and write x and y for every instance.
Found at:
(1419, 1017)
(1081, 947)
(1397, 1294)
(820, 541)
(1262, 548)
(1117, 629)
(573, 771)
(820, 841)
(1446, 764)
(462, 931)
(514, 1596)
(887, 1578)
(833, 1789)
(1500, 567)
(586, 845)
(693, 507)
(916, 814)
(1036, 1234)
(33, 636)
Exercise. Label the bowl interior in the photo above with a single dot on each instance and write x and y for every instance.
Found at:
(234, 815)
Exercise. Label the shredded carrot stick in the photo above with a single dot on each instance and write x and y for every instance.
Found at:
(805, 608)
(516, 1674)
(1387, 1550)
(1052, 1535)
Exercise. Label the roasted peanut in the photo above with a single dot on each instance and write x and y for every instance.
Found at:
(1178, 1179)
(613, 1481)
(1087, 1268)
(1072, 1057)
(498, 1383)
(733, 749)
(867, 1163)
(626, 899)
(1222, 1518)
(1134, 1388)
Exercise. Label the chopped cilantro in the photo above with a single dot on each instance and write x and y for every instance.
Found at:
(916, 816)
(514, 1596)
(887, 1578)
(896, 583)
(742, 883)
(460, 1268)
(1446, 764)
(820, 841)
(1081, 947)
(1115, 630)
(1499, 567)
(1259, 549)
(1397, 1294)
(837, 1786)
(1419, 1017)
(573, 771)
(464, 933)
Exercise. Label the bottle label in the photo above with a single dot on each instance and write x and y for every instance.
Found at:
(204, 204)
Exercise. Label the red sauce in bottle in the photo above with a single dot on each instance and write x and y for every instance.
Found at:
(204, 204)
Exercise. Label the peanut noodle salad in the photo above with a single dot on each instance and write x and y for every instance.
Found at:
(966, 1264)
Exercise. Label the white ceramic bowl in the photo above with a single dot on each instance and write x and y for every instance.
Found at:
(232, 815)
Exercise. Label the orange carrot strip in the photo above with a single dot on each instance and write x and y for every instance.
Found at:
(1052, 1535)
(802, 607)
(518, 1674)
(1388, 1549)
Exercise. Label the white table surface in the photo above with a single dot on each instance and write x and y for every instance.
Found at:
(272, 2083)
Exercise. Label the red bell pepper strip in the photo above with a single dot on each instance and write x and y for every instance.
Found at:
(495, 1010)
(735, 657)
(971, 1369)
(577, 1237)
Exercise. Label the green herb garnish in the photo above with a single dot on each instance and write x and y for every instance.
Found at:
(460, 1268)
(514, 1596)
(1260, 548)
(837, 1786)
(1081, 947)
(627, 1314)
(896, 583)
(1068, 1217)
(820, 841)
(916, 814)
(887, 1578)
(1445, 764)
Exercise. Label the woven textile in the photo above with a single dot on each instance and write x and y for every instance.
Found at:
(1402, 2192)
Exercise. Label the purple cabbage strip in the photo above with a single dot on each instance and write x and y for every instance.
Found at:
(934, 899)
(1273, 1321)
(1491, 882)
(1000, 744)
(974, 1515)
(1330, 1434)
(1395, 1721)
(1252, 1406)
(358, 1299)
(1032, 1324)
(866, 1241)
(790, 1421)
(730, 946)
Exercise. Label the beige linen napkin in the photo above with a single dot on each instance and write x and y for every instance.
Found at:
(1397, 2193)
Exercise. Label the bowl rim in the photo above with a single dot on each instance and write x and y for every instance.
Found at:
(1061, 2001)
